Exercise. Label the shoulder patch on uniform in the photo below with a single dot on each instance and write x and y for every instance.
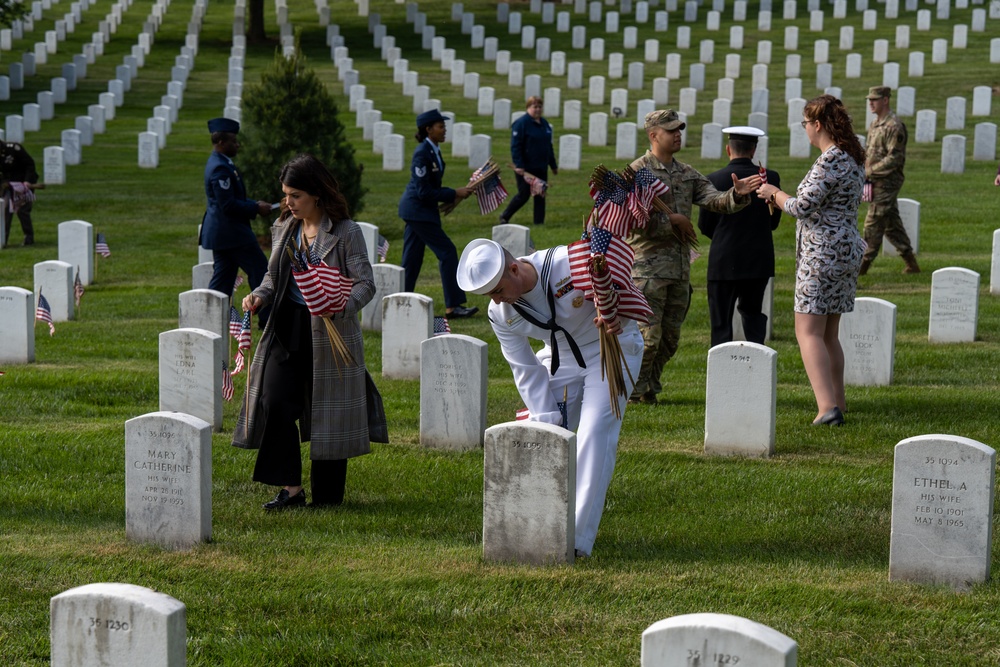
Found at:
(511, 321)
(514, 133)
(420, 171)
(224, 183)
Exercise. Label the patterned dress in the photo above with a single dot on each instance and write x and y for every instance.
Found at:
(828, 247)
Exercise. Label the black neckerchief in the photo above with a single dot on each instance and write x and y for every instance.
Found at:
(551, 325)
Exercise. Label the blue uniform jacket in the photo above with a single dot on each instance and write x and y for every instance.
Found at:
(228, 213)
(420, 199)
(531, 145)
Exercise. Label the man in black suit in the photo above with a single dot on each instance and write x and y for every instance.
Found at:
(741, 257)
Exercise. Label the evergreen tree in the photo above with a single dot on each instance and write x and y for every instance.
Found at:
(290, 112)
(12, 10)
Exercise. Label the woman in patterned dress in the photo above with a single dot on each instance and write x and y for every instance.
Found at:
(828, 248)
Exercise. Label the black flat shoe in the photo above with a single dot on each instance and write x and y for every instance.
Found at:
(832, 418)
(462, 311)
(283, 500)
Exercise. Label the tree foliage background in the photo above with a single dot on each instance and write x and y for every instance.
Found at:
(290, 112)
(12, 10)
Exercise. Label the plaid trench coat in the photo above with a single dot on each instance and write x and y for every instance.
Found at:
(337, 426)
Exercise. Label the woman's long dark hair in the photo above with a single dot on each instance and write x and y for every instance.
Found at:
(832, 115)
(306, 173)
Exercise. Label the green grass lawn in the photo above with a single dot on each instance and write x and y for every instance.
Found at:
(799, 542)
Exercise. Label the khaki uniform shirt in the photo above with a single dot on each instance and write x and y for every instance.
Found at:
(658, 253)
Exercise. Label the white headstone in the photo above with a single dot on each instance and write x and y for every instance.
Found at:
(985, 142)
(926, 126)
(597, 129)
(392, 152)
(570, 146)
(955, 115)
(954, 308)
(55, 165)
(389, 279)
(909, 214)
(453, 379)
(868, 338)
(168, 479)
(54, 279)
(204, 309)
(407, 320)
(516, 239)
(529, 493)
(595, 94)
(190, 368)
(715, 639)
(116, 625)
(17, 325)
(625, 141)
(942, 511)
(953, 154)
(149, 150)
(76, 248)
(480, 150)
(741, 398)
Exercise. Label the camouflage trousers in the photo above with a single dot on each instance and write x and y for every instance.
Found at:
(669, 301)
(883, 220)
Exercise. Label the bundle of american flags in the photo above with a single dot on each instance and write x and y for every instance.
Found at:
(325, 292)
(383, 248)
(485, 183)
(618, 257)
(537, 185)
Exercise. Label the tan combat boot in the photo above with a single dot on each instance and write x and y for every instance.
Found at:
(911, 263)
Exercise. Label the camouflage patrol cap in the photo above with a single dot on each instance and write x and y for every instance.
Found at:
(878, 92)
(665, 118)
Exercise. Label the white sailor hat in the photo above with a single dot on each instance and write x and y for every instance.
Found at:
(744, 133)
(481, 266)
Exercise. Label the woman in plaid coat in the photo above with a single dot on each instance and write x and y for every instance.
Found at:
(299, 390)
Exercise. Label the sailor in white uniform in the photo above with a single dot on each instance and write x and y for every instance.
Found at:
(534, 297)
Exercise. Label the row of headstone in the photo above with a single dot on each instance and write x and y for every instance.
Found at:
(116, 625)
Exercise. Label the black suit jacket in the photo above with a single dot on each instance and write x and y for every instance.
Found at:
(742, 247)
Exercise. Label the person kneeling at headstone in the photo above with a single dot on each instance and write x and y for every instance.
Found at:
(298, 374)
(533, 297)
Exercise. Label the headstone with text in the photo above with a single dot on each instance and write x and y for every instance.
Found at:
(709, 639)
(741, 399)
(868, 338)
(168, 479)
(190, 373)
(407, 321)
(453, 378)
(117, 625)
(942, 511)
(529, 493)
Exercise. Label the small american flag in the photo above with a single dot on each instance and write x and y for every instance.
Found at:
(234, 323)
(101, 246)
(227, 383)
(44, 313)
(77, 289)
(441, 326)
(238, 282)
(383, 248)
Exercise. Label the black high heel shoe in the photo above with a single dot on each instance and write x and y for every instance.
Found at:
(832, 418)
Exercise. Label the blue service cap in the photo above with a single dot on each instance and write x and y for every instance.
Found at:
(223, 125)
(429, 118)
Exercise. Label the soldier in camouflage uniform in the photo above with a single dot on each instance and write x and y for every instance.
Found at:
(885, 155)
(662, 267)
